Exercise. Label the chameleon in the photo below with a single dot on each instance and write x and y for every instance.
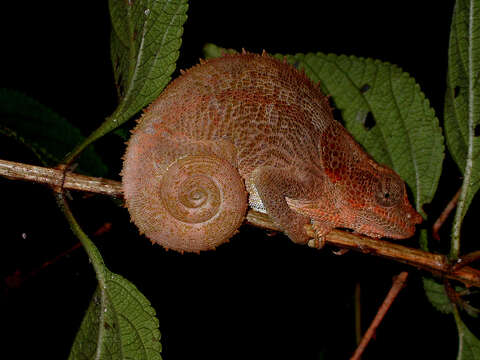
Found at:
(248, 130)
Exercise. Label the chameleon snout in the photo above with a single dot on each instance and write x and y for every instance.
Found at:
(415, 217)
(406, 225)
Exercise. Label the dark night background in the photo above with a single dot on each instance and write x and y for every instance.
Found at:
(258, 296)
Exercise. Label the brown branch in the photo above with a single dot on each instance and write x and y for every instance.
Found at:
(466, 259)
(444, 215)
(54, 177)
(398, 284)
(435, 263)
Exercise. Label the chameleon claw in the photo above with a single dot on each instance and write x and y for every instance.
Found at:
(317, 233)
(317, 243)
(311, 243)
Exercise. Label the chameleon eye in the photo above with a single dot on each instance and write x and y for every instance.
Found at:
(389, 191)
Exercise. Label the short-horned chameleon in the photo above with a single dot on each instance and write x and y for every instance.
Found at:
(249, 130)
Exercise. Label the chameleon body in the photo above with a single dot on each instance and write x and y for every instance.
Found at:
(249, 130)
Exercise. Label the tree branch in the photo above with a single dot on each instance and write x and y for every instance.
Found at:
(434, 263)
(54, 177)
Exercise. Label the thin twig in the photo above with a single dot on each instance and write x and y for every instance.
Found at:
(466, 259)
(397, 286)
(435, 263)
(54, 178)
(444, 215)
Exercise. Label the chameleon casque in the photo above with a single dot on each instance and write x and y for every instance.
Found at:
(249, 130)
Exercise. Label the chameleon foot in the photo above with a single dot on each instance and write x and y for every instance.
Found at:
(317, 243)
(320, 231)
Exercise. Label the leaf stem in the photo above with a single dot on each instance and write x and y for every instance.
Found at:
(108, 125)
(92, 251)
(459, 214)
(97, 262)
(457, 224)
(458, 322)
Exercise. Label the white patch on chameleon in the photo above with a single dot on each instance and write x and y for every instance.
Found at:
(254, 200)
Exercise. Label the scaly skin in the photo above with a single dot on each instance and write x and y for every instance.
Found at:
(248, 124)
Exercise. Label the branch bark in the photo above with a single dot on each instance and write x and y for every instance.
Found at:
(54, 178)
(434, 263)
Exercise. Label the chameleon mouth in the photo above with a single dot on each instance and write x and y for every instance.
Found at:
(406, 226)
(403, 234)
(396, 226)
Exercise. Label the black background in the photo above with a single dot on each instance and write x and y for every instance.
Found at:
(258, 296)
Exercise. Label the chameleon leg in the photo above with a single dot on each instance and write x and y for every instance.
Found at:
(273, 185)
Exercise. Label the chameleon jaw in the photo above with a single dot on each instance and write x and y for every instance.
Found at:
(395, 226)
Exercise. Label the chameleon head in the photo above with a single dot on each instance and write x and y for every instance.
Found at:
(378, 204)
(371, 200)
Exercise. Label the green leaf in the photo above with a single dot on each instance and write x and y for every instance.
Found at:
(145, 43)
(123, 326)
(43, 131)
(386, 112)
(434, 291)
(437, 295)
(462, 105)
(120, 322)
(468, 344)
(423, 240)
